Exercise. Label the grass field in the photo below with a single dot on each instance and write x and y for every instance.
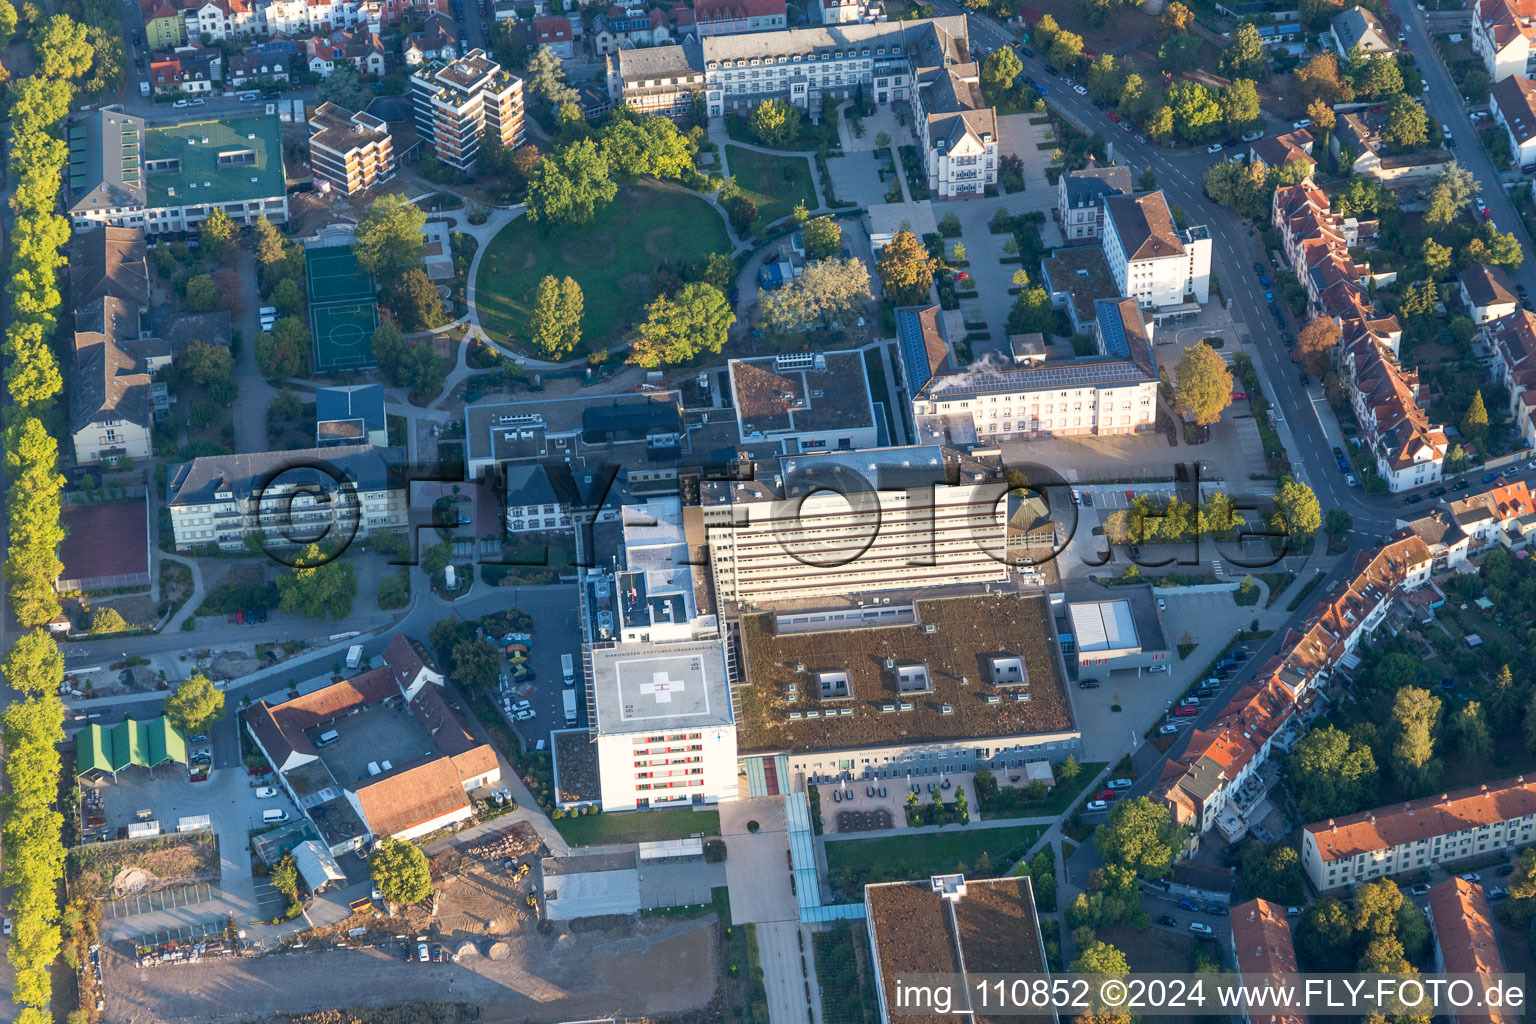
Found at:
(638, 826)
(612, 259)
(931, 853)
(774, 183)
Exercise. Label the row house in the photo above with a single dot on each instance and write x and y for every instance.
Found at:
(1502, 32)
(164, 26)
(259, 67)
(1501, 516)
(1409, 450)
(1513, 341)
(359, 47)
(1420, 835)
(1265, 954)
(1202, 785)
(193, 76)
(300, 18)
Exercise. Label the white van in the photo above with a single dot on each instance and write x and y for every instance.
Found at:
(274, 816)
(327, 738)
(354, 656)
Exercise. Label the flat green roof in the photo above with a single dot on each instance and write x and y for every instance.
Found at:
(219, 161)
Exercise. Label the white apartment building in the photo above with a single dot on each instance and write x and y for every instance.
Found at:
(1113, 392)
(839, 523)
(1152, 261)
(1409, 450)
(1502, 32)
(663, 724)
(290, 497)
(459, 103)
(352, 151)
(1420, 834)
(169, 177)
(221, 20)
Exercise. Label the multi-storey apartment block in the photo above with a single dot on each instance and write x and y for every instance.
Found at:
(727, 17)
(1502, 31)
(1513, 340)
(290, 497)
(169, 177)
(1466, 942)
(1113, 392)
(1420, 834)
(351, 151)
(1410, 450)
(1264, 953)
(1152, 261)
(459, 103)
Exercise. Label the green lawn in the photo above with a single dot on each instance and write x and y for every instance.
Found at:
(612, 259)
(853, 863)
(638, 826)
(774, 183)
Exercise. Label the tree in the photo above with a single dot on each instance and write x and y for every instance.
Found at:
(60, 47)
(634, 145)
(271, 247)
(1032, 312)
(1196, 114)
(742, 211)
(205, 365)
(1068, 769)
(34, 664)
(316, 587)
(285, 877)
(569, 186)
(1000, 68)
(1491, 245)
(1245, 189)
(1272, 873)
(282, 351)
(476, 664)
(1325, 935)
(823, 236)
(388, 240)
(1176, 19)
(1414, 714)
(1179, 53)
(1319, 79)
(828, 291)
(1203, 383)
(546, 78)
(1065, 50)
(1243, 57)
(216, 233)
(400, 872)
(343, 87)
(194, 705)
(1297, 510)
(679, 327)
(1240, 105)
(1470, 728)
(1331, 774)
(1338, 523)
(287, 297)
(554, 326)
(1140, 835)
(408, 364)
(1148, 180)
(1316, 342)
(1437, 257)
(1321, 115)
(34, 506)
(1452, 193)
(1407, 125)
(906, 270)
(1378, 77)
(1101, 958)
(202, 294)
(776, 123)
(7, 23)
(107, 620)
(413, 301)
(1474, 425)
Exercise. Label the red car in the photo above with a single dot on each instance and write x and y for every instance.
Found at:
(1105, 794)
(1114, 116)
(1238, 396)
(1186, 712)
(962, 275)
(239, 617)
(1487, 214)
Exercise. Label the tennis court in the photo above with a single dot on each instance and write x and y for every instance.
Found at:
(342, 311)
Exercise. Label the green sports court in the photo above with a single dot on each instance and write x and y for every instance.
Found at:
(342, 312)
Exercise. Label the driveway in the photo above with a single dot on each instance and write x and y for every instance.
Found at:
(757, 864)
(255, 392)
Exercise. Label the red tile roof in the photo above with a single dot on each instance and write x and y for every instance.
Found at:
(1261, 939)
(413, 796)
(1465, 934)
(1386, 827)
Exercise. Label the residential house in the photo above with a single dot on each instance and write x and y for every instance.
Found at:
(1214, 782)
(1283, 150)
(1152, 261)
(1448, 544)
(1080, 197)
(635, 25)
(958, 133)
(290, 497)
(1409, 450)
(1467, 943)
(168, 177)
(1357, 143)
(1500, 516)
(350, 151)
(215, 21)
(1513, 340)
(553, 31)
(109, 262)
(192, 75)
(1487, 293)
(111, 412)
(1419, 835)
(723, 17)
(1265, 955)
(1359, 29)
(438, 39)
(164, 26)
(360, 47)
(1512, 101)
(1502, 32)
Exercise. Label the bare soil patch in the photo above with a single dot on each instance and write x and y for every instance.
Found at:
(103, 870)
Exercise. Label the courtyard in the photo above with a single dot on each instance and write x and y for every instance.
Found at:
(613, 259)
(772, 181)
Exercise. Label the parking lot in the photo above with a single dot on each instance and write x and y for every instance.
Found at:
(165, 899)
(556, 631)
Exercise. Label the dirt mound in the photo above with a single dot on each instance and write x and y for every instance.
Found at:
(468, 949)
(499, 951)
(131, 880)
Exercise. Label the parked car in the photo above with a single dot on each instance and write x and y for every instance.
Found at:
(1305, 122)
(1088, 684)
(1167, 922)
(1190, 702)
(1238, 396)
(1507, 869)
(1168, 730)
(1498, 892)
(1214, 147)
(201, 737)
(1106, 795)
(8, 926)
(266, 792)
(422, 953)
(239, 617)
(1189, 905)
(1471, 876)
(1026, 51)
(1420, 890)
(1119, 783)
(1186, 712)
(1097, 805)
(523, 716)
(521, 705)
(1199, 928)
(1162, 605)
(1216, 910)
(1081, 90)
